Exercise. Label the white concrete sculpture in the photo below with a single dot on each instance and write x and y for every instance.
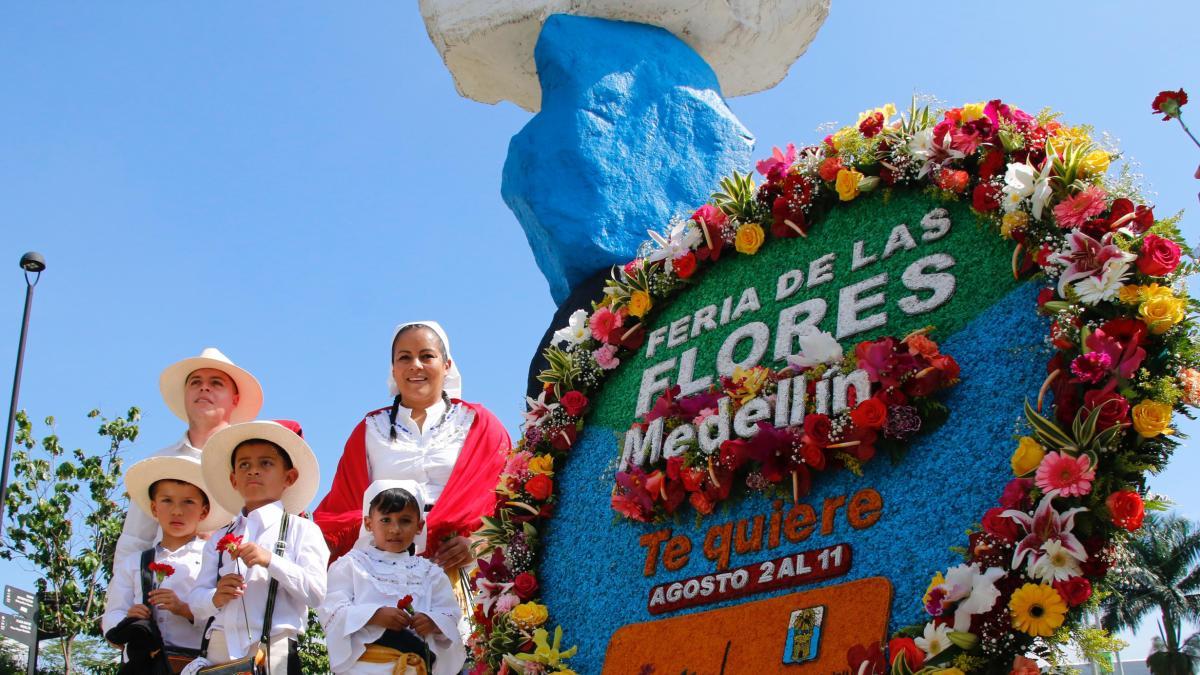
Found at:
(750, 44)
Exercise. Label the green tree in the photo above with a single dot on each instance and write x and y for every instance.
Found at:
(64, 512)
(1162, 573)
(314, 657)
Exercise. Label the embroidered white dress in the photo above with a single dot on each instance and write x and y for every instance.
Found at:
(366, 579)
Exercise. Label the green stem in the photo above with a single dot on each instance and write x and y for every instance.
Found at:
(1187, 130)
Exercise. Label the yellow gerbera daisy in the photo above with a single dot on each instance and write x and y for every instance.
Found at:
(1037, 609)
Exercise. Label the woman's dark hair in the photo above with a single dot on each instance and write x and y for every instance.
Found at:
(397, 402)
(154, 488)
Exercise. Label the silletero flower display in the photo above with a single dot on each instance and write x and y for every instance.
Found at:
(1124, 361)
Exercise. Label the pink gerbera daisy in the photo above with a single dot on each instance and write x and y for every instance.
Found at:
(1074, 211)
(1070, 476)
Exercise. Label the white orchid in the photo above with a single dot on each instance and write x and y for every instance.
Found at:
(1057, 562)
(1021, 182)
(974, 591)
(682, 238)
(816, 348)
(576, 330)
(935, 639)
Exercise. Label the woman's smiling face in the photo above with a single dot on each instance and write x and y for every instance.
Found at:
(419, 367)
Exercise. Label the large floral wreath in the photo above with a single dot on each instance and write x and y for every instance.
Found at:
(1125, 360)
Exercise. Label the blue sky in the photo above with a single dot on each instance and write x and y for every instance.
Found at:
(287, 181)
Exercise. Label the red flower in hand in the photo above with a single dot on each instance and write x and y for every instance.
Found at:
(229, 543)
(405, 604)
(160, 570)
(1168, 103)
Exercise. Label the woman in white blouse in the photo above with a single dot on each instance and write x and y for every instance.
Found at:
(455, 450)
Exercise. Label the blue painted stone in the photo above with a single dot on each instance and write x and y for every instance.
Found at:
(632, 133)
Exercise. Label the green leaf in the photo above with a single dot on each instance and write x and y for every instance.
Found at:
(1048, 433)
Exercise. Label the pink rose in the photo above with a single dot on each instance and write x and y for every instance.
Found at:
(1159, 257)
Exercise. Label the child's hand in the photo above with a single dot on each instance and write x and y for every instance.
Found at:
(454, 553)
(390, 618)
(165, 598)
(424, 626)
(138, 611)
(229, 587)
(253, 554)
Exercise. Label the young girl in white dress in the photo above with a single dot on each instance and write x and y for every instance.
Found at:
(368, 633)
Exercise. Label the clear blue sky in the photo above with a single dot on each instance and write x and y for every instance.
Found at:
(287, 181)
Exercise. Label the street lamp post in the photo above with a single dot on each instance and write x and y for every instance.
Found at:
(33, 263)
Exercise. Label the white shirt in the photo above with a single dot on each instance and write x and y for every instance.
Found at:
(125, 591)
(366, 579)
(427, 455)
(140, 530)
(300, 571)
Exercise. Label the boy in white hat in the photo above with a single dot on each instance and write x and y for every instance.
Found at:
(367, 631)
(256, 593)
(152, 587)
(209, 392)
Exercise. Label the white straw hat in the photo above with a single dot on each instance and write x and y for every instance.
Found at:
(172, 381)
(145, 473)
(453, 382)
(215, 460)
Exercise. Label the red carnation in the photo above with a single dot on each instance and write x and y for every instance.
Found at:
(913, 655)
(871, 125)
(1075, 590)
(229, 543)
(829, 168)
(574, 402)
(525, 585)
(1126, 509)
(405, 604)
(1159, 256)
(985, 197)
(684, 265)
(870, 414)
(1168, 104)
(539, 487)
(953, 180)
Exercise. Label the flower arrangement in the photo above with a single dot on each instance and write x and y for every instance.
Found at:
(1126, 358)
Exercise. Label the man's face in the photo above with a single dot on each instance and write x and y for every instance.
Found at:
(209, 393)
(260, 474)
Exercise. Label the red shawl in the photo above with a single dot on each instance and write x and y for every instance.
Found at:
(469, 494)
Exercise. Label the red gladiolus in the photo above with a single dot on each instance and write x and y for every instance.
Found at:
(1168, 104)
(1126, 509)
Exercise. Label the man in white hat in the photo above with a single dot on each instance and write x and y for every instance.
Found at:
(209, 392)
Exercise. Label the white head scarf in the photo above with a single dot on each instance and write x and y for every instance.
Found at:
(411, 487)
(453, 384)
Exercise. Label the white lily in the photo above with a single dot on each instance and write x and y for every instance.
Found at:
(538, 408)
(682, 238)
(816, 348)
(576, 330)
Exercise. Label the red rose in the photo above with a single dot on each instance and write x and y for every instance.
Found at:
(871, 125)
(525, 585)
(986, 197)
(1126, 509)
(1159, 256)
(1075, 590)
(907, 647)
(1168, 103)
(574, 402)
(871, 414)
(539, 487)
(817, 428)
(829, 168)
(684, 265)
(1114, 408)
(1001, 527)
(953, 180)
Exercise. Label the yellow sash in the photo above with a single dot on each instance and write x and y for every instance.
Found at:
(403, 660)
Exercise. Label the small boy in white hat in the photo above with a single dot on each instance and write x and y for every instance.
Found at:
(208, 392)
(154, 585)
(368, 632)
(261, 574)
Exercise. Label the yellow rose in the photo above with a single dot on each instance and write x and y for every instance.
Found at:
(1151, 418)
(640, 303)
(1067, 135)
(749, 238)
(971, 112)
(1160, 312)
(1027, 456)
(1130, 294)
(1156, 291)
(847, 184)
(542, 464)
(1095, 163)
(529, 615)
(1013, 221)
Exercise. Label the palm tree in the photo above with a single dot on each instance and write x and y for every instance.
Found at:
(1162, 573)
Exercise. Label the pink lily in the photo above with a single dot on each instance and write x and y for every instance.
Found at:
(1125, 358)
(1086, 257)
(1045, 525)
(538, 408)
(778, 163)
